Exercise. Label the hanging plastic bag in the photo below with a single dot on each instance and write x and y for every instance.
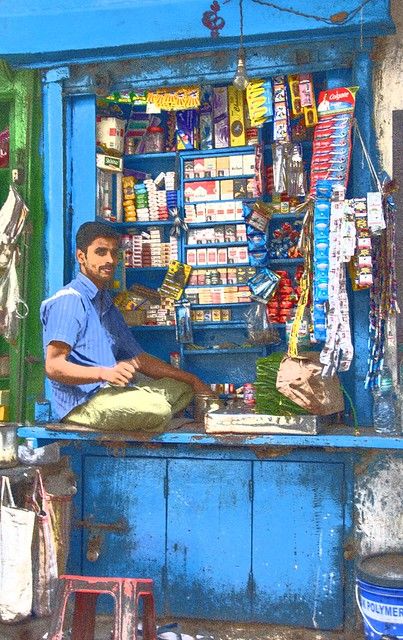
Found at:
(16, 531)
(260, 331)
(44, 553)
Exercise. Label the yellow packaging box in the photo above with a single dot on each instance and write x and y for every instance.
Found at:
(4, 405)
(236, 103)
(222, 165)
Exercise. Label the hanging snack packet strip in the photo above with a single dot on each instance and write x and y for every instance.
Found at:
(281, 123)
(307, 98)
(259, 97)
(338, 351)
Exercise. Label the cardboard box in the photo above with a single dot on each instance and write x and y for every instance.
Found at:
(236, 102)
(109, 163)
(110, 133)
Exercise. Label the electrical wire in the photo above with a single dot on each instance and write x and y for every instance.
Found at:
(342, 17)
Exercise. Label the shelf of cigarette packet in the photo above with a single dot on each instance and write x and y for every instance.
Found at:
(229, 177)
(122, 226)
(212, 223)
(216, 244)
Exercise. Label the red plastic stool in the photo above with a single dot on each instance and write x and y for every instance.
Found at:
(126, 593)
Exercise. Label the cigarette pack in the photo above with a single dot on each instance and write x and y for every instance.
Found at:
(236, 165)
(226, 189)
(222, 163)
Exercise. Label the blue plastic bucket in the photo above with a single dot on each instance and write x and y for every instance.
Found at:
(379, 594)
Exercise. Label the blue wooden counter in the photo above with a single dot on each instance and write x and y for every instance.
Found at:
(237, 528)
(338, 437)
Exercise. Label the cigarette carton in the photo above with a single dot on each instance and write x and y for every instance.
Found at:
(236, 117)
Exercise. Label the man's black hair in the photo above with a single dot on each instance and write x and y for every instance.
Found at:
(90, 231)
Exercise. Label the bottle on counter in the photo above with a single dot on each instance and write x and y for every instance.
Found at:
(385, 405)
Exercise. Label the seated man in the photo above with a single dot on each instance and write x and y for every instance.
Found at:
(92, 358)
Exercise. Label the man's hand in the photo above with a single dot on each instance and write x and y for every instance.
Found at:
(120, 375)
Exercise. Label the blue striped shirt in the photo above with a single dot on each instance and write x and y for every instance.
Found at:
(85, 318)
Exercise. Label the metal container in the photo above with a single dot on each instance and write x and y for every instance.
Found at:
(203, 404)
(8, 445)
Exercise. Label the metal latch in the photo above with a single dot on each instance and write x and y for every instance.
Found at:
(97, 534)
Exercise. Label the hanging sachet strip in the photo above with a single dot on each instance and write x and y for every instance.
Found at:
(338, 351)
(383, 292)
(321, 225)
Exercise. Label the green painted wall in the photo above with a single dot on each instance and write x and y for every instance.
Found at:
(20, 108)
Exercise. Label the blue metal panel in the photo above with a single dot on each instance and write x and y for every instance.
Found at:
(132, 489)
(297, 543)
(208, 539)
(80, 159)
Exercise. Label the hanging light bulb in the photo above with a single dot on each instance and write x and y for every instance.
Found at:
(240, 80)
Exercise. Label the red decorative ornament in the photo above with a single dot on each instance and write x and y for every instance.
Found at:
(213, 21)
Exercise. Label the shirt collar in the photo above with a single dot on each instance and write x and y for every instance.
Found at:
(93, 290)
(88, 285)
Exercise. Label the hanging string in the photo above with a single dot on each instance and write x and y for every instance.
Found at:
(241, 24)
(367, 157)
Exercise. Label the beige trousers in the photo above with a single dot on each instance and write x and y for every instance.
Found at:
(148, 406)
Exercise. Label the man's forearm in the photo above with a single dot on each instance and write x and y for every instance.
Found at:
(67, 372)
(156, 368)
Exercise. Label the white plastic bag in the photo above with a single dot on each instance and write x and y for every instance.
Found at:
(16, 531)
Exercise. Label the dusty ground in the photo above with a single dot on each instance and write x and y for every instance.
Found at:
(35, 630)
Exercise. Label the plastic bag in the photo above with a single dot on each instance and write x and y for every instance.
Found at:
(260, 331)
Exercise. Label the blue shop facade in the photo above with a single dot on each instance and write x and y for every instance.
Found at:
(252, 528)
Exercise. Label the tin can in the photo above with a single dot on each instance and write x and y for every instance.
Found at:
(174, 359)
(249, 394)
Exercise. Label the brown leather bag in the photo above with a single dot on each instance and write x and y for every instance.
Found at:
(300, 379)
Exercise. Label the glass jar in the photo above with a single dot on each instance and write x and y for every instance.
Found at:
(154, 140)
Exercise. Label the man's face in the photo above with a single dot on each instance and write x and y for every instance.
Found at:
(99, 262)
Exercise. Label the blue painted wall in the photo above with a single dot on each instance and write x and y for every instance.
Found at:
(52, 31)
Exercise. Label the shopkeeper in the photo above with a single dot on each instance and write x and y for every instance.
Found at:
(92, 358)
